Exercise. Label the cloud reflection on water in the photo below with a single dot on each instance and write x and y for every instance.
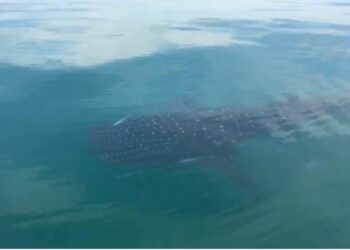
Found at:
(85, 33)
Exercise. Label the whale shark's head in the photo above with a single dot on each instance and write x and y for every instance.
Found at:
(130, 141)
(165, 138)
(156, 138)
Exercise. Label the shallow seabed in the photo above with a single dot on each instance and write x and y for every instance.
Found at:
(66, 66)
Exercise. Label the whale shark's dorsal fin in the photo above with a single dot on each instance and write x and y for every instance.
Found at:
(121, 120)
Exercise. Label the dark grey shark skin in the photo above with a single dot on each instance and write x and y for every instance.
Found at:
(162, 139)
(204, 133)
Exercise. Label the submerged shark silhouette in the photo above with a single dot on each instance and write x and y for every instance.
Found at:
(208, 135)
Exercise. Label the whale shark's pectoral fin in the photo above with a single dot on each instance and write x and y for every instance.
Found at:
(227, 167)
(122, 120)
(199, 159)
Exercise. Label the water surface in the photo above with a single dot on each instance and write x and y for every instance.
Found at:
(70, 65)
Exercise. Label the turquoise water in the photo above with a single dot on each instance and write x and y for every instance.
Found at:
(67, 66)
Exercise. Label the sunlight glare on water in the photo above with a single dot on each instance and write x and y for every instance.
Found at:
(67, 67)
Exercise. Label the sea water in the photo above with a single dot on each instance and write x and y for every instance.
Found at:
(67, 66)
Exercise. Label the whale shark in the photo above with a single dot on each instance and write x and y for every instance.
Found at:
(206, 135)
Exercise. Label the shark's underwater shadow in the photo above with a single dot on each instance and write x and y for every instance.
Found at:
(206, 136)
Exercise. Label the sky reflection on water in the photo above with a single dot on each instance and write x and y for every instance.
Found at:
(85, 33)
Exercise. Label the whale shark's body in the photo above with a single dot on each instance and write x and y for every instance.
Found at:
(197, 134)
